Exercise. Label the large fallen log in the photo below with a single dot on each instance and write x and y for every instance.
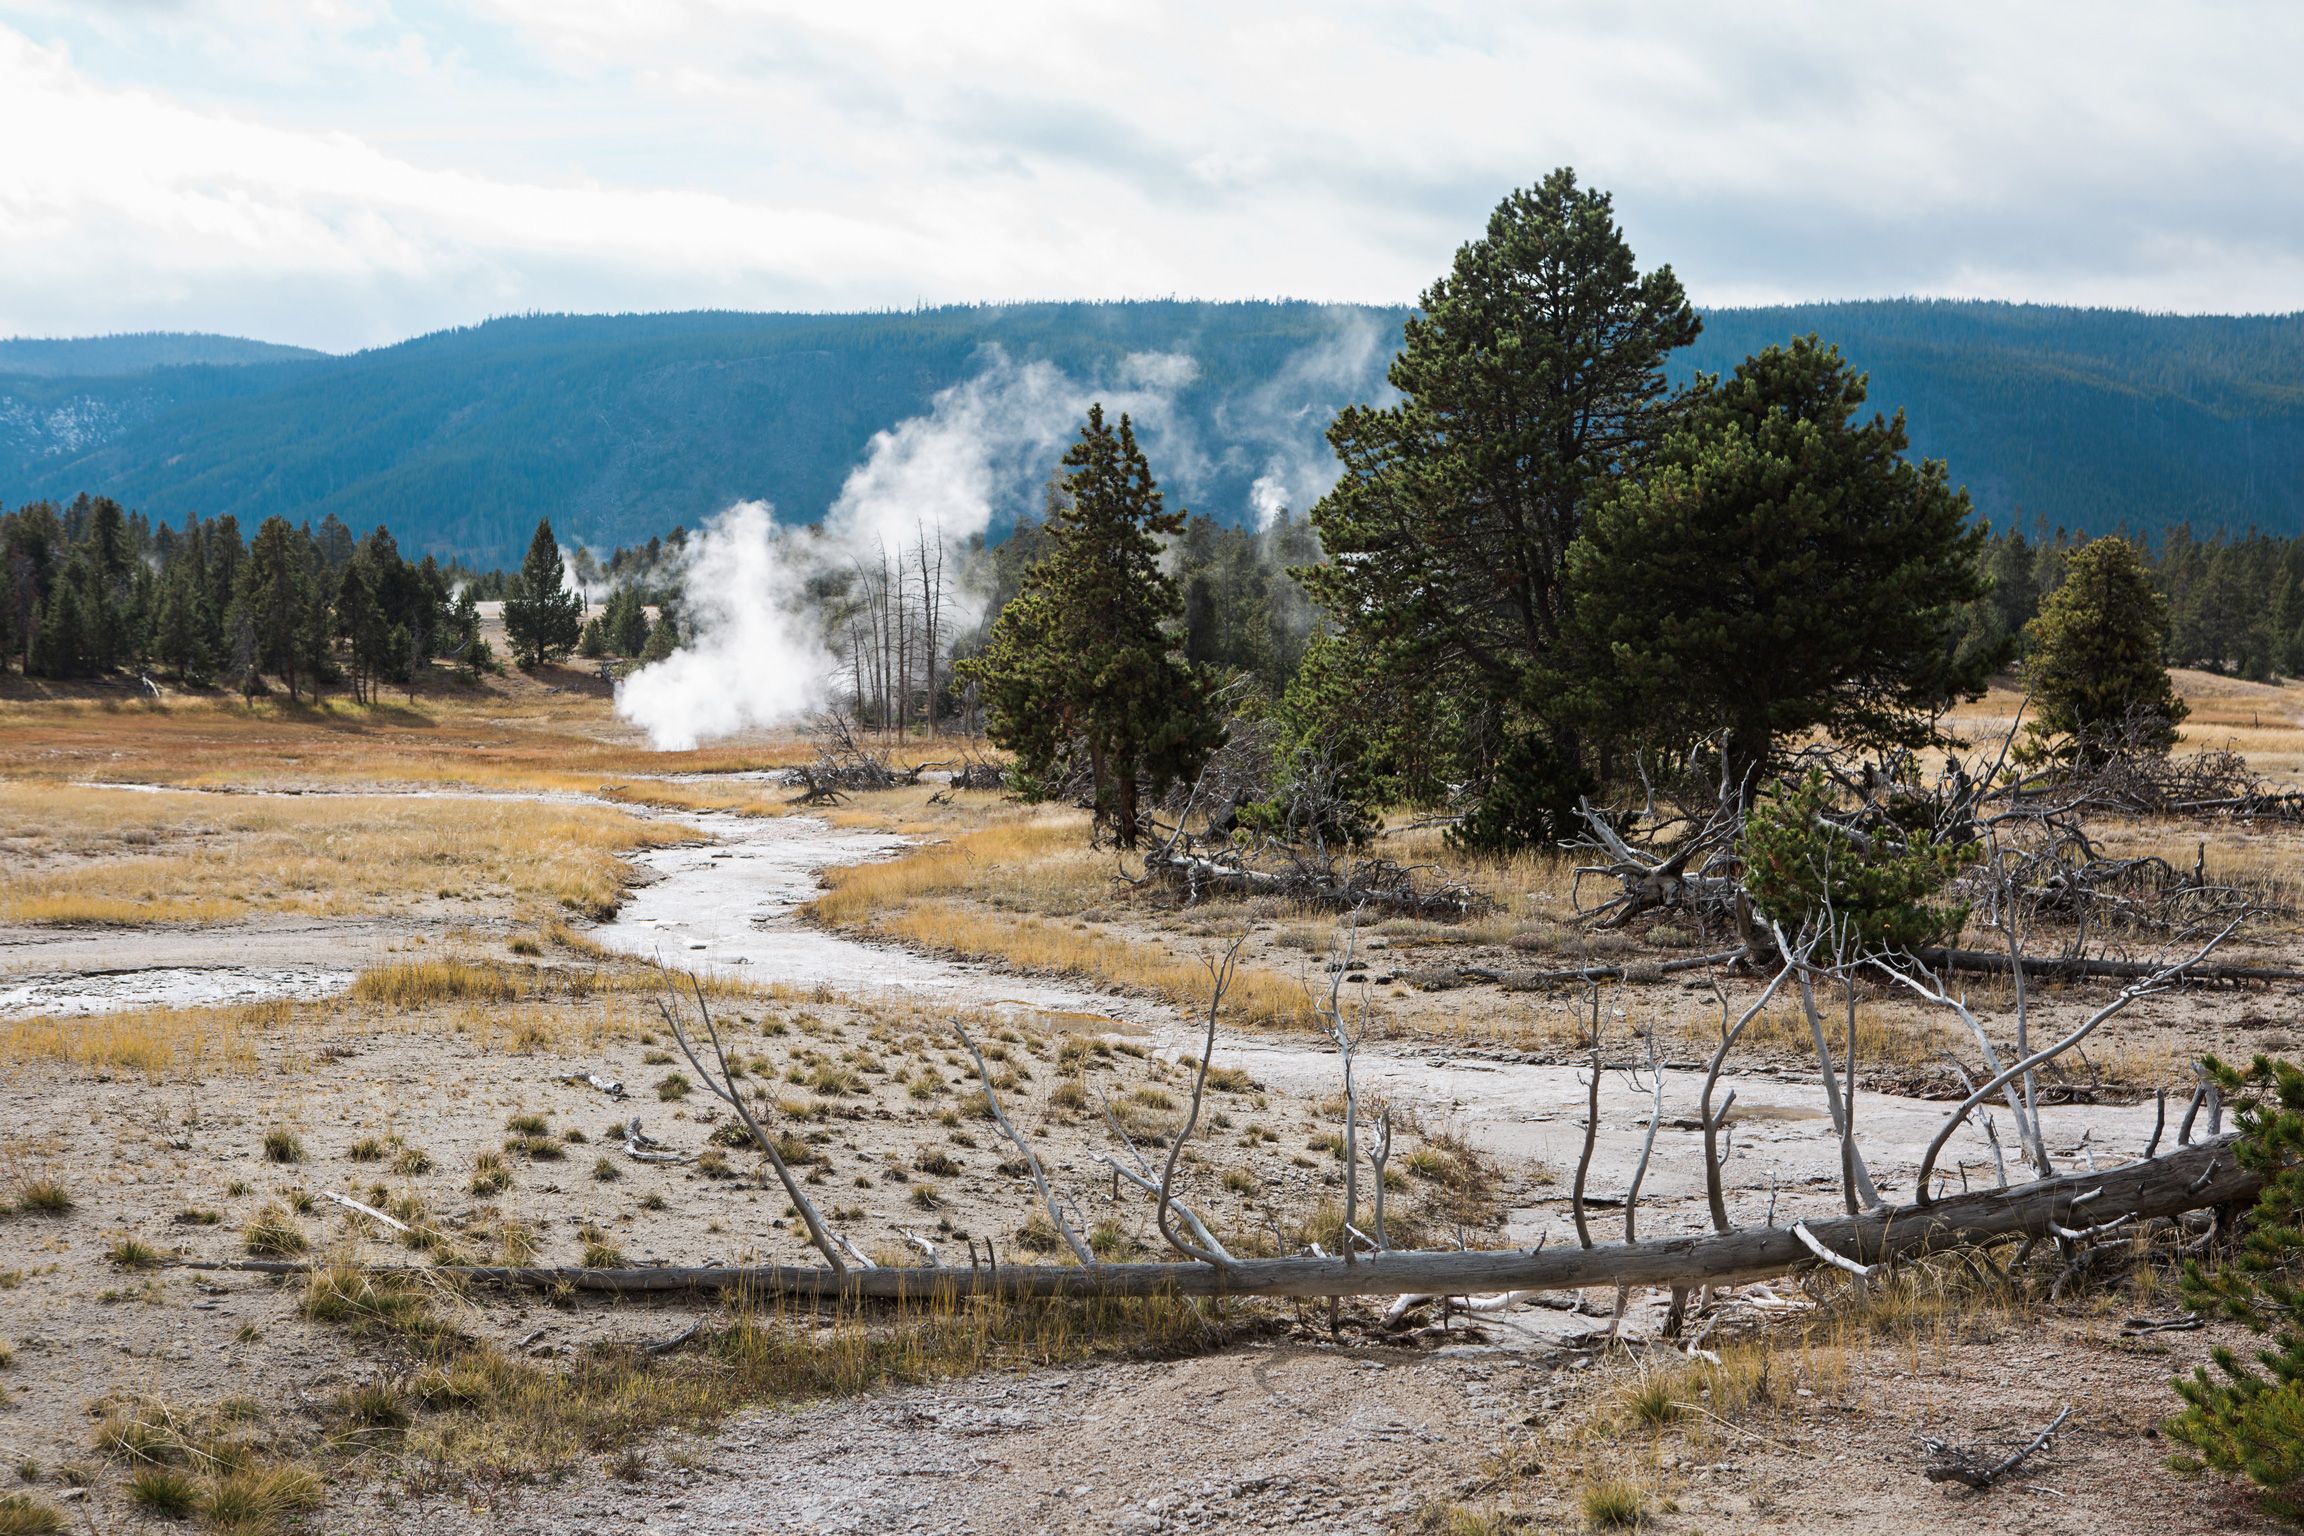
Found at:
(1996, 962)
(2203, 1174)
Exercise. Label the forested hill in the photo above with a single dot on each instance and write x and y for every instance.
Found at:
(2090, 418)
(619, 427)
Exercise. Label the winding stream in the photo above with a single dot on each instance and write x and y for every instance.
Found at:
(729, 907)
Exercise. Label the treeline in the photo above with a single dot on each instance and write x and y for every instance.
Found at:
(2235, 602)
(92, 588)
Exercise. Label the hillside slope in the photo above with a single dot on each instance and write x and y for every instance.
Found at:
(618, 427)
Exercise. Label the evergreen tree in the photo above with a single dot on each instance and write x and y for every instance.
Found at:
(1776, 568)
(179, 633)
(2095, 669)
(1084, 650)
(542, 620)
(624, 624)
(1532, 377)
(276, 601)
(2241, 1420)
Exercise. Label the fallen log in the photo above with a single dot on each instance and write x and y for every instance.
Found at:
(2190, 1178)
(1996, 962)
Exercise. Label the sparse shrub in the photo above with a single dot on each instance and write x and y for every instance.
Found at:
(282, 1146)
(490, 1173)
(926, 1198)
(411, 1162)
(600, 1253)
(673, 1085)
(1039, 1234)
(23, 1515)
(258, 1498)
(1240, 1182)
(933, 1160)
(128, 1253)
(1072, 1096)
(525, 946)
(368, 1149)
(656, 1058)
(607, 1171)
(1109, 1240)
(529, 1125)
(273, 1234)
(164, 1491)
(46, 1195)
(1613, 1503)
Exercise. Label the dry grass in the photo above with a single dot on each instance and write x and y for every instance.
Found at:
(508, 734)
(158, 1042)
(475, 1411)
(122, 856)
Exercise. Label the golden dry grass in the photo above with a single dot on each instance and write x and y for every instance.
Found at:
(508, 734)
(124, 856)
(160, 1043)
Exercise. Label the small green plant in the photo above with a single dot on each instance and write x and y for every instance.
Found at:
(47, 1196)
(23, 1515)
(530, 1125)
(273, 1234)
(28, 1471)
(652, 1202)
(1803, 872)
(600, 1253)
(282, 1146)
(673, 1085)
(1240, 1183)
(926, 1197)
(607, 1171)
(2249, 1423)
(259, 1498)
(1613, 1504)
(656, 1058)
(128, 1253)
(490, 1173)
(164, 1491)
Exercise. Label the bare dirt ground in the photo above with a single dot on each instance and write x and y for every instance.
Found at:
(160, 1138)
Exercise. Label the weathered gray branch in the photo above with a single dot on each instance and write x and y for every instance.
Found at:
(2189, 1178)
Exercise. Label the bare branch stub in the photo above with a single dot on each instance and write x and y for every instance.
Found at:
(1080, 1250)
(723, 1086)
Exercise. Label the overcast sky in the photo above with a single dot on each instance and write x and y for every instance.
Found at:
(343, 173)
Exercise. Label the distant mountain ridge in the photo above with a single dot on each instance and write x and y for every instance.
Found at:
(618, 427)
(135, 352)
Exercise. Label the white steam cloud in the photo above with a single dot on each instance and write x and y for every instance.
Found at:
(755, 660)
(758, 656)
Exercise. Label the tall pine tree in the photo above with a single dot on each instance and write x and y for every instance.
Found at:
(1084, 652)
(542, 619)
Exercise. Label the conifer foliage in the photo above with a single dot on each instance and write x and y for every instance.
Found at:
(542, 619)
(1084, 653)
(2242, 1420)
(2095, 670)
(1776, 567)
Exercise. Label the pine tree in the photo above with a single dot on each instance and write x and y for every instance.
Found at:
(1084, 651)
(1533, 376)
(2094, 670)
(276, 598)
(1778, 567)
(542, 620)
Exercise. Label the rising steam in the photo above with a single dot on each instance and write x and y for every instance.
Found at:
(756, 659)
(758, 656)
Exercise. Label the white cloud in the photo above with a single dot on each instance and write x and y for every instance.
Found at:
(346, 171)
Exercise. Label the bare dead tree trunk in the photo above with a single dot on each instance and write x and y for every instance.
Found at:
(2189, 1178)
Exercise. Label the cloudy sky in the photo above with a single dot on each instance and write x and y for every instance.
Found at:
(342, 173)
